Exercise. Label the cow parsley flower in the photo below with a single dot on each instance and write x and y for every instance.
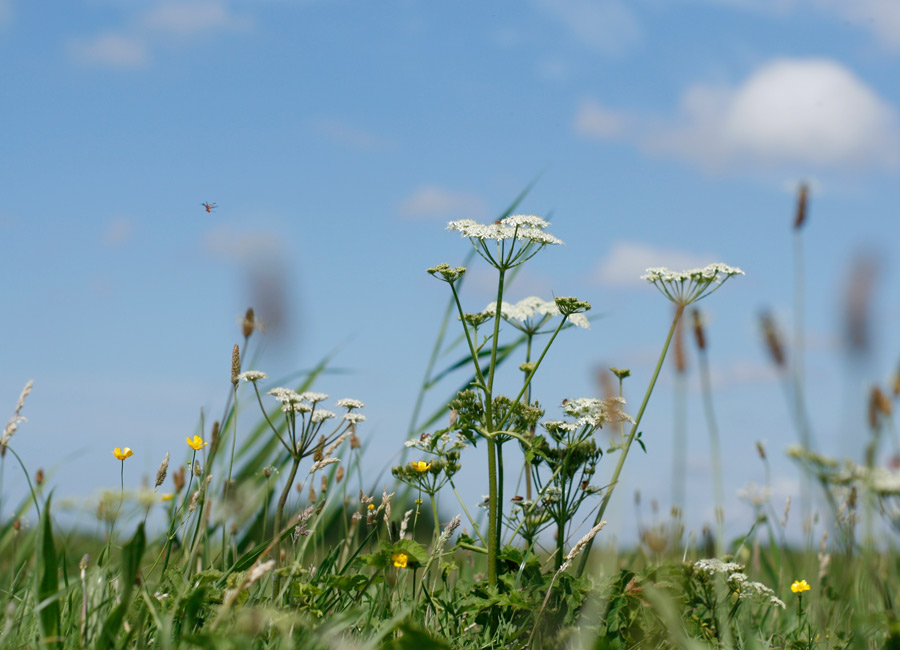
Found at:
(516, 238)
(530, 313)
(686, 287)
(252, 375)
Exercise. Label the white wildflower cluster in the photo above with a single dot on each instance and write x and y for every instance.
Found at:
(350, 403)
(686, 287)
(712, 566)
(747, 589)
(525, 312)
(306, 402)
(519, 227)
(737, 581)
(439, 445)
(320, 415)
(252, 375)
(593, 412)
(754, 494)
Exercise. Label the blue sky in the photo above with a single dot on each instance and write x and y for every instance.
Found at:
(338, 138)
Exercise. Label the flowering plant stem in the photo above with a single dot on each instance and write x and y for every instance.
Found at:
(493, 487)
(582, 563)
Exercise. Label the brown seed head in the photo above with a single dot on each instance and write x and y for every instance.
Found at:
(339, 476)
(802, 197)
(699, 335)
(879, 405)
(235, 364)
(249, 324)
(319, 454)
(324, 484)
(39, 476)
(162, 471)
(761, 450)
(214, 434)
(678, 352)
(178, 479)
(773, 339)
(312, 494)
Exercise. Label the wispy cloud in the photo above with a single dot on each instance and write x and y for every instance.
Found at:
(110, 49)
(347, 135)
(167, 23)
(626, 262)
(880, 17)
(433, 201)
(594, 120)
(191, 18)
(606, 25)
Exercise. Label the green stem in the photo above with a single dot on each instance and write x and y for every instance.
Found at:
(27, 478)
(715, 451)
(582, 563)
(279, 515)
(493, 505)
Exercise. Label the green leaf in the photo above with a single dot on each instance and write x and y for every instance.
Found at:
(47, 584)
(414, 638)
(130, 567)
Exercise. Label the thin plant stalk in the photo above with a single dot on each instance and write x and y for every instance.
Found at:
(582, 563)
(715, 451)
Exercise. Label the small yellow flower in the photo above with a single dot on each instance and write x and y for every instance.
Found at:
(421, 466)
(122, 454)
(167, 497)
(400, 560)
(800, 586)
(371, 506)
(196, 443)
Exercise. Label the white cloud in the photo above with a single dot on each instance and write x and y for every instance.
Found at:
(132, 45)
(191, 18)
(607, 25)
(626, 262)
(432, 201)
(881, 17)
(596, 121)
(111, 50)
(347, 135)
(790, 111)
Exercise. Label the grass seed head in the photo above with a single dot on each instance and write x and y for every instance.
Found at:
(235, 364)
(162, 471)
(802, 199)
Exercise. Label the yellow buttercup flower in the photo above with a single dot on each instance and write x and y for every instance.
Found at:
(800, 586)
(167, 497)
(371, 506)
(122, 454)
(400, 560)
(196, 443)
(421, 466)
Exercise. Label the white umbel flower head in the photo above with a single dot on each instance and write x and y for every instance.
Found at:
(686, 287)
(313, 397)
(527, 309)
(252, 375)
(518, 238)
(320, 415)
(350, 404)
